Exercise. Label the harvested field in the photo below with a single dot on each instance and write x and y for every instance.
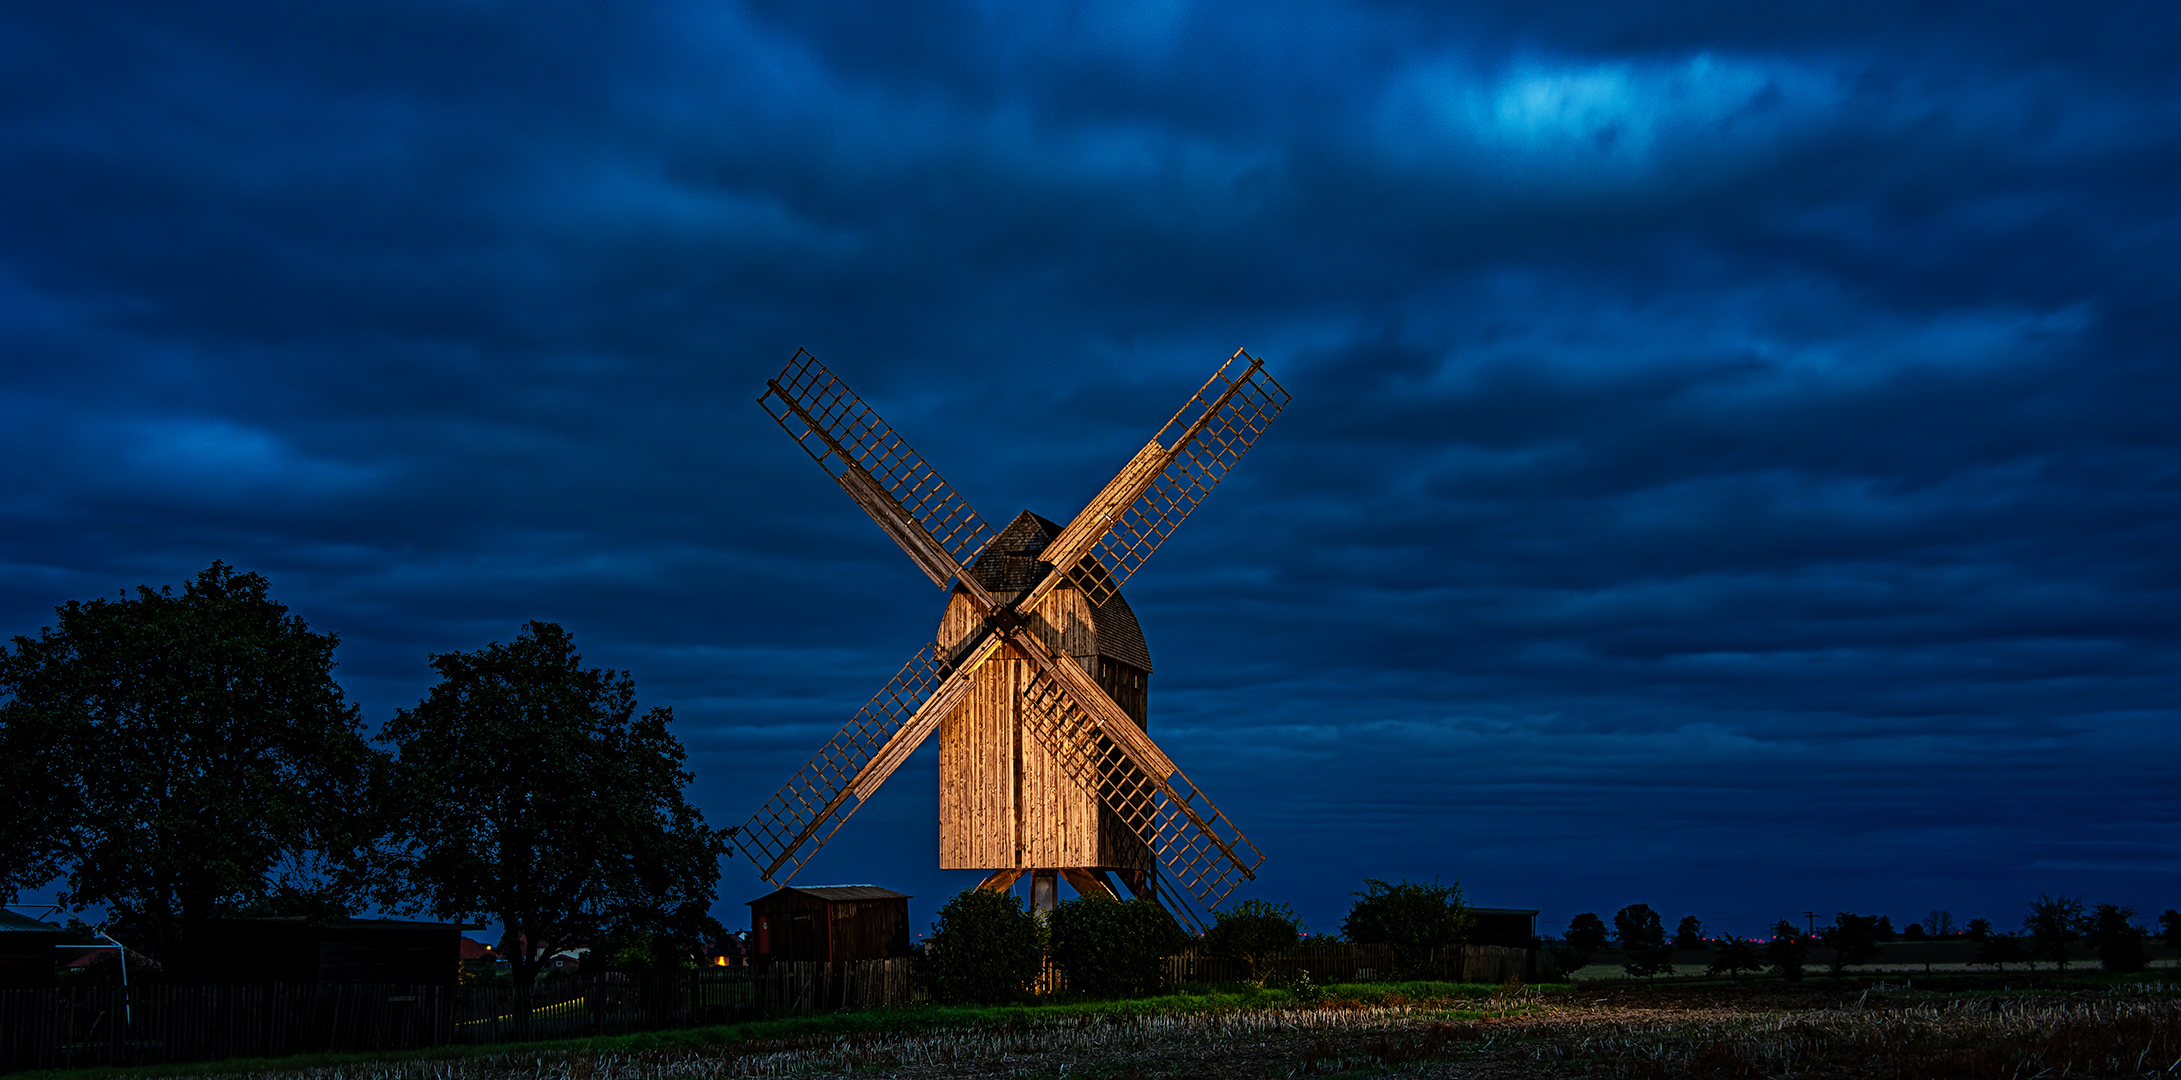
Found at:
(1976, 1028)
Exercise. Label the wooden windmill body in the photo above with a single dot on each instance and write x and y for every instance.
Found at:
(1037, 680)
(1005, 802)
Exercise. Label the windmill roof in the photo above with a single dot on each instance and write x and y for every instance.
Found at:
(1009, 566)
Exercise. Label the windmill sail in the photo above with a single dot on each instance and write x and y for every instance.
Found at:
(878, 468)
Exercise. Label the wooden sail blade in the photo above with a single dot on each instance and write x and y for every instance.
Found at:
(1164, 482)
(797, 821)
(1202, 852)
(893, 483)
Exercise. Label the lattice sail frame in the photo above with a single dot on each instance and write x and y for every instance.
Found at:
(847, 437)
(1208, 863)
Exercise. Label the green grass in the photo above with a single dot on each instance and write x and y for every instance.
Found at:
(1466, 1001)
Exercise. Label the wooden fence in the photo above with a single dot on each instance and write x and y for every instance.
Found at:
(802, 987)
(156, 1023)
(1358, 963)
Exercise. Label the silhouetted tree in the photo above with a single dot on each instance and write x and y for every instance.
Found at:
(1978, 929)
(1939, 924)
(2121, 944)
(1413, 917)
(1587, 933)
(1638, 926)
(1788, 951)
(1690, 934)
(1999, 950)
(2169, 926)
(1883, 929)
(1913, 932)
(176, 758)
(1734, 957)
(1853, 939)
(530, 791)
(2054, 925)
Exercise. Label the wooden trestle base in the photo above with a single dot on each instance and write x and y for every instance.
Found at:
(1087, 881)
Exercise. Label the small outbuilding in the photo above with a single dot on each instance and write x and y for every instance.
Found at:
(1508, 928)
(828, 923)
(27, 959)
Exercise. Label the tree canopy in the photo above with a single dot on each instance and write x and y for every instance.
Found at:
(174, 758)
(530, 791)
(1414, 917)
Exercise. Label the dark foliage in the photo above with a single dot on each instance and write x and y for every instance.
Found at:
(1586, 933)
(2169, 927)
(1853, 939)
(182, 757)
(1787, 952)
(1735, 956)
(1999, 950)
(1639, 927)
(1253, 931)
(1413, 917)
(2122, 945)
(985, 948)
(1978, 929)
(1114, 948)
(1913, 932)
(530, 791)
(1690, 934)
(2054, 925)
(1648, 960)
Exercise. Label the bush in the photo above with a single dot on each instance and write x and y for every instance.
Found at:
(1253, 931)
(2120, 942)
(1111, 948)
(1413, 917)
(985, 948)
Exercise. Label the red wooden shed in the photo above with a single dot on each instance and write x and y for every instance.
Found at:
(826, 923)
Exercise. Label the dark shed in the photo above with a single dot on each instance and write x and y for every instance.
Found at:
(26, 952)
(826, 923)
(1512, 928)
(347, 951)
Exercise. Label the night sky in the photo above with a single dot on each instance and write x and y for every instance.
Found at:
(1733, 466)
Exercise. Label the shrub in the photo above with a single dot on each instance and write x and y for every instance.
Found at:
(1413, 917)
(1648, 960)
(1253, 931)
(1114, 948)
(985, 947)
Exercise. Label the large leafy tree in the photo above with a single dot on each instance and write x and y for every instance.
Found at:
(1414, 917)
(174, 758)
(530, 791)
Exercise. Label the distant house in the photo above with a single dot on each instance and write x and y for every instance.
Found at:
(476, 952)
(27, 952)
(347, 951)
(828, 923)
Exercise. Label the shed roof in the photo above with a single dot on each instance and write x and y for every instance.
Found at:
(838, 892)
(10, 921)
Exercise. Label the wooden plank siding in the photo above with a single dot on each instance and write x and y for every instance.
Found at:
(1004, 801)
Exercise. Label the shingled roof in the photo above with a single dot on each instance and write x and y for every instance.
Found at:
(1009, 566)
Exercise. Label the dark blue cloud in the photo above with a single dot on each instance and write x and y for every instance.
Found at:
(1731, 464)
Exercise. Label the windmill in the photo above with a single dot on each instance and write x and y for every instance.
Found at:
(1036, 681)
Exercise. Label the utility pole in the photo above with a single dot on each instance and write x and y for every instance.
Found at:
(1811, 918)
